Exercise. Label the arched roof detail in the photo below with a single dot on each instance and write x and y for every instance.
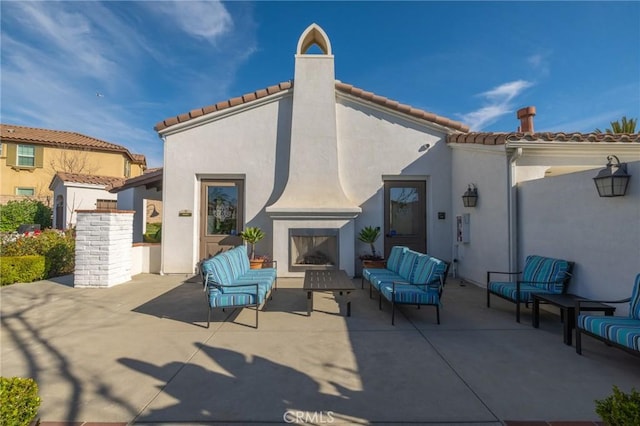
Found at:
(314, 35)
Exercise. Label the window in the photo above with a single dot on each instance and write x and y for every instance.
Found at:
(127, 168)
(106, 204)
(26, 155)
(27, 192)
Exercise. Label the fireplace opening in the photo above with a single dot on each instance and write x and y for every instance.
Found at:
(313, 248)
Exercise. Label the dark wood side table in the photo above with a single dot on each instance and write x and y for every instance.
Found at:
(567, 305)
(327, 280)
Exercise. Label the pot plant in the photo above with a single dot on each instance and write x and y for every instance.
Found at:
(252, 235)
(369, 235)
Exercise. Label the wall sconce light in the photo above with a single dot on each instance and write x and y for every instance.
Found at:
(470, 198)
(612, 181)
(154, 212)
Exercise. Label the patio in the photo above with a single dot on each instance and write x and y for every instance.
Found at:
(140, 353)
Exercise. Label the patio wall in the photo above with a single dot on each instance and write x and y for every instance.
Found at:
(145, 258)
(564, 217)
(488, 247)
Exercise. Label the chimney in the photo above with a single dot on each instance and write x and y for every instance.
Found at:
(525, 115)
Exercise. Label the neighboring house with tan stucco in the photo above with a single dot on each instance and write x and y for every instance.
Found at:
(31, 157)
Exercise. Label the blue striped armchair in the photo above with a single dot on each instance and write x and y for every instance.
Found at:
(621, 332)
(540, 274)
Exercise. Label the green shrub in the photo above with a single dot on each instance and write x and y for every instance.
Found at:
(19, 401)
(620, 409)
(153, 234)
(15, 213)
(21, 269)
(57, 247)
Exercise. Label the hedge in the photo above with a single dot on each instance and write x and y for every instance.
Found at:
(57, 247)
(21, 269)
(19, 401)
(620, 408)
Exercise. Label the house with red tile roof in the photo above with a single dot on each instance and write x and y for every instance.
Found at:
(32, 160)
(312, 161)
(75, 191)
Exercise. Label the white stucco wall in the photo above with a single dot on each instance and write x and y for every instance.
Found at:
(488, 246)
(373, 145)
(564, 217)
(145, 259)
(79, 198)
(253, 145)
(134, 199)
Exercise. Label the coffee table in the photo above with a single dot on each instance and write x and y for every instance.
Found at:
(327, 280)
(567, 305)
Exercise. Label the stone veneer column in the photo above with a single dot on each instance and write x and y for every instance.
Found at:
(103, 247)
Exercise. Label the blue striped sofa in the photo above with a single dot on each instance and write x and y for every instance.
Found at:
(230, 283)
(543, 275)
(409, 278)
(618, 331)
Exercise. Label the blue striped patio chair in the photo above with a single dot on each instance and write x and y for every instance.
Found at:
(540, 274)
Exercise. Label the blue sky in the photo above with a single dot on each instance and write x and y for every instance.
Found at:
(476, 62)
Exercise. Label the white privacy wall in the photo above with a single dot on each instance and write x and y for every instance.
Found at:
(249, 145)
(564, 217)
(83, 198)
(374, 145)
(488, 246)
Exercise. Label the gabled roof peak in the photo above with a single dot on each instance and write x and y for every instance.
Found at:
(340, 86)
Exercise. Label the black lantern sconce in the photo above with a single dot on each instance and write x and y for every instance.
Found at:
(470, 198)
(612, 181)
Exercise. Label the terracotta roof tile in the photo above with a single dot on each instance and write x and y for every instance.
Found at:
(107, 181)
(345, 88)
(152, 178)
(500, 138)
(33, 135)
(196, 113)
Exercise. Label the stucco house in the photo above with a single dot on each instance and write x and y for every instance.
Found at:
(31, 158)
(314, 160)
(75, 191)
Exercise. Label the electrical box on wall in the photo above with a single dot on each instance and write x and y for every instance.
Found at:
(463, 228)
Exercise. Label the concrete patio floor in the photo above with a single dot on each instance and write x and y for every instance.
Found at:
(140, 353)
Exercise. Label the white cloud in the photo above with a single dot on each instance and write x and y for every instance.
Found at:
(539, 62)
(208, 20)
(498, 103)
(149, 66)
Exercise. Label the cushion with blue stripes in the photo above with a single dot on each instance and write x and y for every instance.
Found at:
(428, 269)
(237, 259)
(395, 257)
(409, 259)
(545, 272)
(411, 294)
(378, 280)
(508, 290)
(222, 300)
(371, 274)
(622, 330)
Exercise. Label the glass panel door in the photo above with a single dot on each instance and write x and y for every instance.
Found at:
(405, 219)
(221, 216)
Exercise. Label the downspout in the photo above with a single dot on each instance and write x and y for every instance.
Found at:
(512, 209)
(164, 170)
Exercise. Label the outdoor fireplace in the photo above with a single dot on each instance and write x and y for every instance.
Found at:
(313, 248)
